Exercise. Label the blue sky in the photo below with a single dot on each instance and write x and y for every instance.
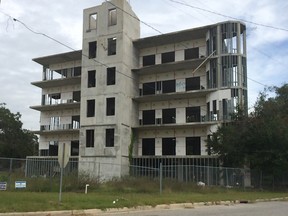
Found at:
(267, 47)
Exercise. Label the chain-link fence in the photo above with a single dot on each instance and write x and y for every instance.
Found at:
(29, 169)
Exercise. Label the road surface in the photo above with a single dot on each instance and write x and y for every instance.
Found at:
(257, 209)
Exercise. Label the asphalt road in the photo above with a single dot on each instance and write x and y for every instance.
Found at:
(257, 209)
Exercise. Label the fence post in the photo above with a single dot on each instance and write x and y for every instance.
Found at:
(161, 177)
(10, 172)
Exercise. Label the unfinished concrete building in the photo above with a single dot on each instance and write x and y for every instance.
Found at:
(123, 99)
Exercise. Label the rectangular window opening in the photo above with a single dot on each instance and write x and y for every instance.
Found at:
(110, 137)
(148, 60)
(193, 146)
(149, 88)
(169, 116)
(168, 57)
(148, 146)
(91, 78)
(112, 19)
(192, 83)
(74, 148)
(111, 76)
(89, 138)
(92, 49)
(192, 53)
(193, 114)
(110, 106)
(90, 108)
(112, 46)
(168, 86)
(169, 146)
(148, 117)
(92, 21)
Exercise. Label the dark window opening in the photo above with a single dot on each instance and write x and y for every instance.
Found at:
(168, 86)
(192, 53)
(169, 146)
(110, 106)
(112, 19)
(148, 60)
(53, 148)
(112, 46)
(74, 148)
(76, 96)
(192, 83)
(193, 146)
(89, 138)
(148, 146)
(44, 152)
(77, 71)
(148, 117)
(169, 116)
(111, 76)
(90, 108)
(75, 123)
(225, 109)
(91, 79)
(92, 49)
(193, 114)
(110, 137)
(208, 111)
(149, 88)
(234, 92)
(168, 57)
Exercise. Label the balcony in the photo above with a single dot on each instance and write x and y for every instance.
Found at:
(58, 82)
(63, 104)
(171, 66)
(174, 95)
(190, 122)
(59, 129)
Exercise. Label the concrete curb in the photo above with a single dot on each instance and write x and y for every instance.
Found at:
(91, 212)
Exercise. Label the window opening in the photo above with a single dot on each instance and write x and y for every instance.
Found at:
(148, 146)
(192, 83)
(193, 146)
(168, 57)
(193, 114)
(89, 138)
(169, 86)
(192, 53)
(169, 116)
(53, 148)
(112, 46)
(90, 108)
(148, 60)
(149, 88)
(111, 76)
(92, 49)
(110, 137)
(112, 20)
(74, 148)
(110, 106)
(148, 117)
(93, 21)
(169, 146)
(91, 78)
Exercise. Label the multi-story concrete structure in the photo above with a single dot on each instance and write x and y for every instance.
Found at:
(150, 99)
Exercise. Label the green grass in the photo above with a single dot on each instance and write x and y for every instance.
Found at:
(127, 193)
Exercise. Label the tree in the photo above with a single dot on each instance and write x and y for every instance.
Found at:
(15, 142)
(260, 140)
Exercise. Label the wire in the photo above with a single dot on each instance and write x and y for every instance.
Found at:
(230, 17)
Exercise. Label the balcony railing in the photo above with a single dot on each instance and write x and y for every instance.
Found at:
(60, 127)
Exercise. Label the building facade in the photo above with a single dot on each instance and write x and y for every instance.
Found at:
(124, 99)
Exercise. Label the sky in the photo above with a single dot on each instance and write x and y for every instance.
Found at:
(267, 48)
